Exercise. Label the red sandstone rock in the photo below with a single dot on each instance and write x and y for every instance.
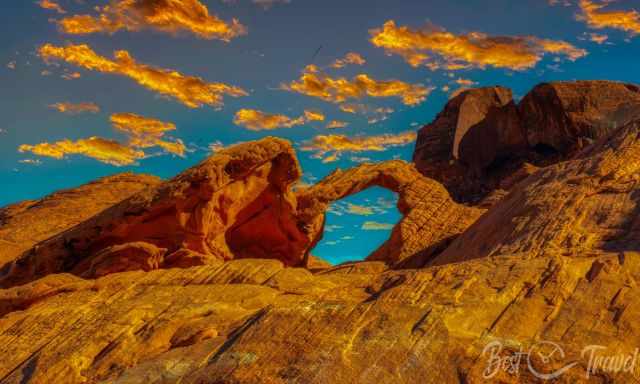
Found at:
(563, 115)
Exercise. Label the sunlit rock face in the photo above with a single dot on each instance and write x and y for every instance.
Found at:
(24, 224)
(482, 139)
(235, 204)
(430, 218)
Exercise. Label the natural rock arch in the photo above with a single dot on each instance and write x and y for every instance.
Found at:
(430, 218)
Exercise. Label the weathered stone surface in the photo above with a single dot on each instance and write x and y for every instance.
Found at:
(235, 204)
(431, 219)
(24, 224)
(475, 129)
(566, 115)
(481, 137)
(590, 204)
(253, 321)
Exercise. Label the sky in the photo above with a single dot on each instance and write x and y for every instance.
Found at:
(94, 88)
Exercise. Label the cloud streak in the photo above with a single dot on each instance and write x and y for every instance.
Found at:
(436, 48)
(338, 90)
(255, 120)
(145, 132)
(51, 5)
(350, 58)
(191, 91)
(171, 16)
(104, 150)
(375, 226)
(75, 108)
(330, 147)
(593, 14)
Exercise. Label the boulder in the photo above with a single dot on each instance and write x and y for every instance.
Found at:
(565, 116)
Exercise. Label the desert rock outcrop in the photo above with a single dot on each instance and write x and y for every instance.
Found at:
(430, 218)
(235, 204)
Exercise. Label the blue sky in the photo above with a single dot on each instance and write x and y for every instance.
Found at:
(281, 40)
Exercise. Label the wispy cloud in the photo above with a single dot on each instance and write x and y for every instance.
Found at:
(475, 49)
(338, 90)
(334, 124)
(145, 132)
(359, 210)
(596, 17)
(104, 150)
(51, 5)
(162, 15)
(375, 226)
(75, 108)
(255, 120)
(192, 91)
(330, 147)
(350, 58)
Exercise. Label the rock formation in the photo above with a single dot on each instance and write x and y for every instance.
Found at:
(236, 204)
(430, 218)
(482, 137)
(162, 288)
(24, 224)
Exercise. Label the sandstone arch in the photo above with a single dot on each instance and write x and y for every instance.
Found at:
(431, 219)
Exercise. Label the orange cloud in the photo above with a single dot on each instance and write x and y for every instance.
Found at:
(170, 16)
(333, 124)
(596, 18)
(255, 120)
(339, 90)
(474, 49)
(104, 150)
(145, 132)
(51, 5)
(359, 210)
(74, 109)
(192, 91)
(350, 58)
(330, 147)
(598, 38)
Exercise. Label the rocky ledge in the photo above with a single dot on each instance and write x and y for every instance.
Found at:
(208, 277)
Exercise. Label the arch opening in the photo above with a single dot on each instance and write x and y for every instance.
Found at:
(358, 225)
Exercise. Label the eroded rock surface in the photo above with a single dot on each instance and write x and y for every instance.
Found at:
(24, 224)
(482, 137)
(235, 204)
(578, 207)
(430, 218)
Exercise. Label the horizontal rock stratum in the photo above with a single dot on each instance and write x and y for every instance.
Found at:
(208, 277)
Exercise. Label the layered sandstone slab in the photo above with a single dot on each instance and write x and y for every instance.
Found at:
(24, 224)
(578, 207)
(254, 321)
(235, 204)
(430, 218)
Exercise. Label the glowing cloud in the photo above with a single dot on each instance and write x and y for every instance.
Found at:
(333, 124)
(170, 16)
(75, 109)
(375, 226)
(51, 5)
(596, 18)
(474, 49)
(104, 150)
(350, 58)
(255, 120)
(192, 91)
(339, 90)
(329, 147)
(598, 38)
(145, 132)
